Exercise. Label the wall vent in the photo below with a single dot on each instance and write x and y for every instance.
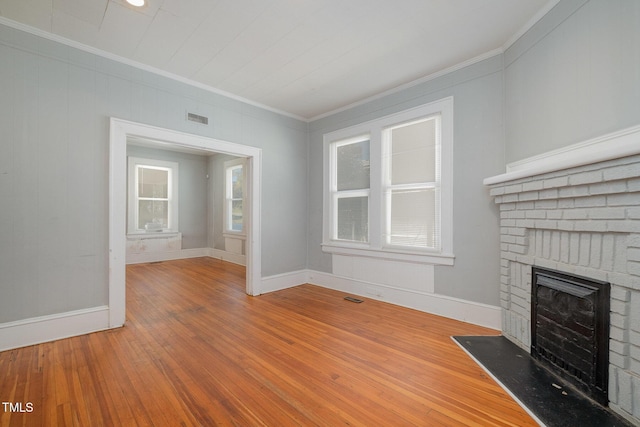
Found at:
(197, 118)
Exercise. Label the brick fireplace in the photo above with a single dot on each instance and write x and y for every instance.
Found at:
(577, 211)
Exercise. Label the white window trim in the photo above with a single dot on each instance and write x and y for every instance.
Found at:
(227, 231)
(376, 248)
(132, 214)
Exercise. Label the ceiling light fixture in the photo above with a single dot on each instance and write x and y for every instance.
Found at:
(136, 3)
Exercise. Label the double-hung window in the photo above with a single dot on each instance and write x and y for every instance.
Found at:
(153, 196)
(234, 196)
(388, 186)
(411, 183)
(350, 189)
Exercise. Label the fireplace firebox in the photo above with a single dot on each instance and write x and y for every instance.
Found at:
(570, 329)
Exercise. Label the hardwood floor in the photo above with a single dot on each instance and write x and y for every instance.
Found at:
(196, 350)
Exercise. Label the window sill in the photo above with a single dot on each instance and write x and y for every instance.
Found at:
(234, 235)
(434, 258)
(140, 235)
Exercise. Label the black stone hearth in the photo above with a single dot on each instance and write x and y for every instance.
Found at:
(549, 397)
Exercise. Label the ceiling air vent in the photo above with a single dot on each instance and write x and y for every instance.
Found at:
(198, 119)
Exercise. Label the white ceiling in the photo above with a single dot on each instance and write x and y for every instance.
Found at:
(302, 57)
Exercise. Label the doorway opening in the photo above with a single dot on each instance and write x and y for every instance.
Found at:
(120, 132)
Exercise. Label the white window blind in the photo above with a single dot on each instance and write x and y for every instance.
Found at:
(412, 183)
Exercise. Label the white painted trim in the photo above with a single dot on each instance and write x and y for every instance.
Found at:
(391, 254)
(108, 55)
(227, 256)
(490, 54)
(234, 235)
(615, 145)
(37, 330)
(373, 129)
(453, 308)
(533, 21)
(90, 49)
(64, 325)
(119, 131)
(144, 257)
(117, 222)
(173, 169)
(279, 282)
(411, 84)
(228, 232)
(150, 235)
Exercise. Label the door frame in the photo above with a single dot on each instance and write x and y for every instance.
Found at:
(120, 130)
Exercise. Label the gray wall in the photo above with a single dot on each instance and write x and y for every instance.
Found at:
(55, 105)
(192, 192)
(478, 153)
(216, 199)
(574, 76)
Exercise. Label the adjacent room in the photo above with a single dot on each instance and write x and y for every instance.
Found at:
(275, 212)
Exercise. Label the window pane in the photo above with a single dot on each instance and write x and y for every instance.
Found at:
(153, 212)
(236, 180)
(236, 215)
(413, 218)
(353, 219)
(413, 153)
(353, 166)
(153, 183)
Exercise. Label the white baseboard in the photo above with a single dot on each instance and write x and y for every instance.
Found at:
(227, 256)
(49, 328)
(284, 281)
(37, 330)
(143, 257)
(453, 308)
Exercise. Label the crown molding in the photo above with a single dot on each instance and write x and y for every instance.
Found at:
(104, 54)
(411, 84)
(53, 37)
(533, 21)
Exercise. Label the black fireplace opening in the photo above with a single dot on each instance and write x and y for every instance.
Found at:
(570, 329)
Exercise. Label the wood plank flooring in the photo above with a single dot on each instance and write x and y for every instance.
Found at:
(197, 351)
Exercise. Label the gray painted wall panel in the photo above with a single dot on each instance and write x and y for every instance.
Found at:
(56, 103)
(573, 77)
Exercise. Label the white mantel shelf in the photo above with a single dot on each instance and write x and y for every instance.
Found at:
(608, 147)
